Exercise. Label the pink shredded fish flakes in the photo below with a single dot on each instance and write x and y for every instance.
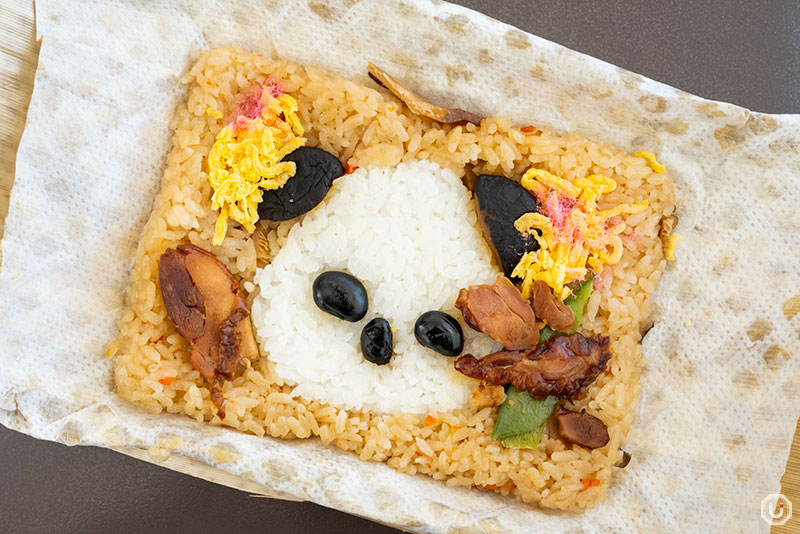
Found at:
(251, 106)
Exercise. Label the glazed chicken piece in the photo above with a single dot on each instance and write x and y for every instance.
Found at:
(501, 312)
(205, 304)
(550, 309)
(561, 366)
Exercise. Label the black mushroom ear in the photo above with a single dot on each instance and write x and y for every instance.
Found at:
(500, 202)
(315, 172)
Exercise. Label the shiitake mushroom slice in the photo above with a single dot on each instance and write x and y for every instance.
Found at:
(581, 428)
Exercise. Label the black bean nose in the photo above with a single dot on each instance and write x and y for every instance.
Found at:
(376, 341)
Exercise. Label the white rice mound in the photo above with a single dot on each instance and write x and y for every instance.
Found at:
(410, 235)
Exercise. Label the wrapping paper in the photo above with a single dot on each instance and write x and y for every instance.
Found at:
(720, 392)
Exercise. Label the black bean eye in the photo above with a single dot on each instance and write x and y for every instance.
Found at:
(341, 294)
(440, 332)
(376, 341)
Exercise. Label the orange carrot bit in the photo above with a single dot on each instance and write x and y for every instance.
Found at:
(350, 168)
(167, 380)
(453, 430)
(589, 483)
(430, 420)
(176, 350)
(609, 372)
(418, 453)
(531, 130)
(508, 486)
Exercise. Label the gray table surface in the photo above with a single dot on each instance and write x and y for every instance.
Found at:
(741, 51)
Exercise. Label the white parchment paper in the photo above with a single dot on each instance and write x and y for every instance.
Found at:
(719, 396)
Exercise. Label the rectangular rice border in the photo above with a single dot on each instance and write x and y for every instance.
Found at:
(365, 127)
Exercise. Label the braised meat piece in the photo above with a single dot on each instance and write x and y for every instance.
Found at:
(561, 366)
(205, 304)
(550, 309)
(184, 302)
(216, 396)
(581, 428)
(501, 312)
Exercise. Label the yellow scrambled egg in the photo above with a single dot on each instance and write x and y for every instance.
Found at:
(672, 242)
(246, 159)
(574, 235)
(651, 160)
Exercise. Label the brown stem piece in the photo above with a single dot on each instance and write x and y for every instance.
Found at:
(416, 103)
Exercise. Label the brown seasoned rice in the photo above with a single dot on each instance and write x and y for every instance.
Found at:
(367, 127)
